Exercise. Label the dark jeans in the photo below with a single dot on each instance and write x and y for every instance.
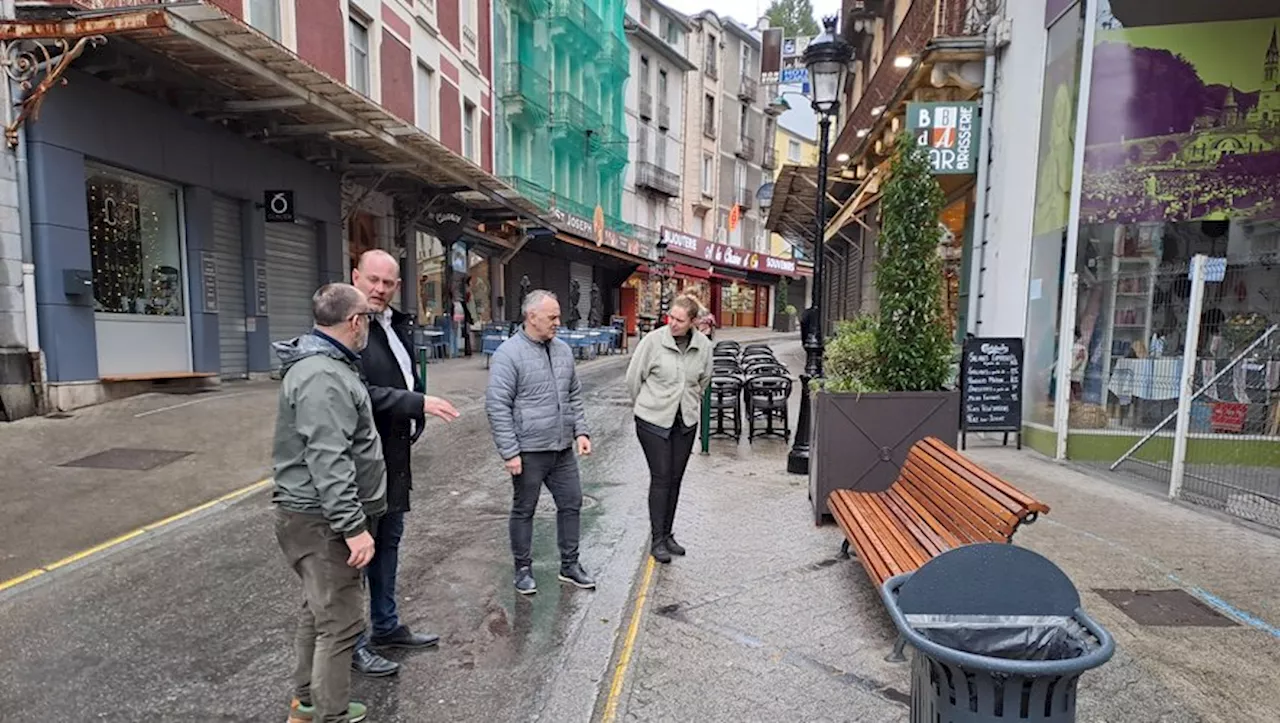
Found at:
(381, 574)
(559, 472)
(667, 456)
(332, 616)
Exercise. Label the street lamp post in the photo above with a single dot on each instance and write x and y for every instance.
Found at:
(827, 59)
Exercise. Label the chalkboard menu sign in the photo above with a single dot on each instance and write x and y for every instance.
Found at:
(991, 385)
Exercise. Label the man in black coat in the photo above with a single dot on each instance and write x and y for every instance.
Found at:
(399, 411)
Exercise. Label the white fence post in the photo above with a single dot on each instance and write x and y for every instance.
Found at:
(1066, 348)
(1187, 376)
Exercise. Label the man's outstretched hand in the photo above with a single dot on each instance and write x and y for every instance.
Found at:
(437, 407)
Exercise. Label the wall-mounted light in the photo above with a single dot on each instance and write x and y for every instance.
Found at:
(875, 112)
(862, 132)
(842, 158)
(903, 61)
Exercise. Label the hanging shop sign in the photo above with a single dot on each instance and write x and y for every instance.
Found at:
(950, 133)
(448, 220)
(601, 234)
(726, 256)
(278, 206)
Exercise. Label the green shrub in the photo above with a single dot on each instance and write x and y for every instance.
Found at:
(913, 348)
(849, 360)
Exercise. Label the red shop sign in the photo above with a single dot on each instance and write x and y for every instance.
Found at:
(723, 255)
(1228, 417)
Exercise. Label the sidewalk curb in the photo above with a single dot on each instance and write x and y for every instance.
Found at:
(48, 573)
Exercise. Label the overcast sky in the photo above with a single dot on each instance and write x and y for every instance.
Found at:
(746, 10)
(800, 118)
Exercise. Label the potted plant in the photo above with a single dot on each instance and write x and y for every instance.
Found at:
(887, 378)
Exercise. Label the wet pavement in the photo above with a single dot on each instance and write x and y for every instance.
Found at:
(196, 621)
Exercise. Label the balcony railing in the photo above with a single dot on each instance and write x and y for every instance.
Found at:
(524, 92)
(531, 9)
(745, 198)
(646, 105)
(770, 158)
(746, 148)
(576, 23)
(611, 148)
(530, 189)
(748, 88)
(664, 115)
(569, 116)
(658, 179)
(615, 56)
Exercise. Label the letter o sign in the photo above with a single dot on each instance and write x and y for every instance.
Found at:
(278, 206)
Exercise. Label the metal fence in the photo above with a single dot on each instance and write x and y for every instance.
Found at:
(1204, 425)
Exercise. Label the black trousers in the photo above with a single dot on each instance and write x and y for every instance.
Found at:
(668, 455)
(559, 472)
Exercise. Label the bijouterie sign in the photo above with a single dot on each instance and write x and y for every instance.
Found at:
(722, 255)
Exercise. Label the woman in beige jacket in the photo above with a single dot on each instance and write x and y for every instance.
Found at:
(669, 372)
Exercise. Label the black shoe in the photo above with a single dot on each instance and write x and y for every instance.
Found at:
(675, 548)
(660, 552)
(576, 575)
(403, 637)
(371, 665)
(525, 584)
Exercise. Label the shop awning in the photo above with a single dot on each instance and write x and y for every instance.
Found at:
(228, 72)
(795, 200)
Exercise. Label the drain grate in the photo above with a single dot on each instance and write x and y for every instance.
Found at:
(1170, 608)
(132, 460)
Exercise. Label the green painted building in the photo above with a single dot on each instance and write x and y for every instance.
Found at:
(559, 131)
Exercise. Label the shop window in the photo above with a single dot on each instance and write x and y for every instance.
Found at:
(135, 245)
(431, 278)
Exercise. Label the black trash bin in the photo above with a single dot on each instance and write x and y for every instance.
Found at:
(997, 634)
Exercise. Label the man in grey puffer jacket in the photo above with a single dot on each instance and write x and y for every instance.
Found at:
(534, 404)
(330, 488)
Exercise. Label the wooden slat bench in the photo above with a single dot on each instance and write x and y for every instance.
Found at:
(940, 500)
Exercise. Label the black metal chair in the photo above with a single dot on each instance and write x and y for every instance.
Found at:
(765, 369)
(758, 358)
(766, 401)
(754, 347)
(725, 406)
(726, 366)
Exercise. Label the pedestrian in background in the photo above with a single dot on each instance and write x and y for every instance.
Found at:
(534, 404)
(399, 409)
(667, 376)
(330, 487)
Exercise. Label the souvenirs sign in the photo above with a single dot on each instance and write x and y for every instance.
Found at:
(724, 255)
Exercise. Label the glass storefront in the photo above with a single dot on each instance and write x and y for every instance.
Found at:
(139, 278)
(1053, 201)
(431, 279)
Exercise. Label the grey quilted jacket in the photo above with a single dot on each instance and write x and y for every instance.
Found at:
(534, 400)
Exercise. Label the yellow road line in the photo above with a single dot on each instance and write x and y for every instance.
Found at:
(113, 542)
(624, 659)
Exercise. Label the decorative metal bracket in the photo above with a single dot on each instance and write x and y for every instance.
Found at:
(24, 60)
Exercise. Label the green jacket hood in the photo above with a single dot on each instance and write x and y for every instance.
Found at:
(295, 350)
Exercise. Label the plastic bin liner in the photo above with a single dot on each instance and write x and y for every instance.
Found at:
(1012, 637)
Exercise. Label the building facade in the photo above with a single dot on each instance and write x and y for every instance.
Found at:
(206, 166)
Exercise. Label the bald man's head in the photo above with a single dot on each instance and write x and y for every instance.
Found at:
(378, 275)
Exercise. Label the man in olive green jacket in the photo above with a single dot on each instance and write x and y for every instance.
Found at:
(330, 488)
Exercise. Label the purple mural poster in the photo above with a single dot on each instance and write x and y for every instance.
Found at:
(1184, 123)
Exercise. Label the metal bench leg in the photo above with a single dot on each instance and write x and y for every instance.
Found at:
(897, 655)
(844, 550)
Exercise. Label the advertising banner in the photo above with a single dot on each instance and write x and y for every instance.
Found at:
(1184, 123)
(729, 256)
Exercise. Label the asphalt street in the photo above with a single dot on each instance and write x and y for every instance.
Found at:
(195, 623)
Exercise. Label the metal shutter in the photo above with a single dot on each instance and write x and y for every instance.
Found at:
(293, 273)
(228, 252)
